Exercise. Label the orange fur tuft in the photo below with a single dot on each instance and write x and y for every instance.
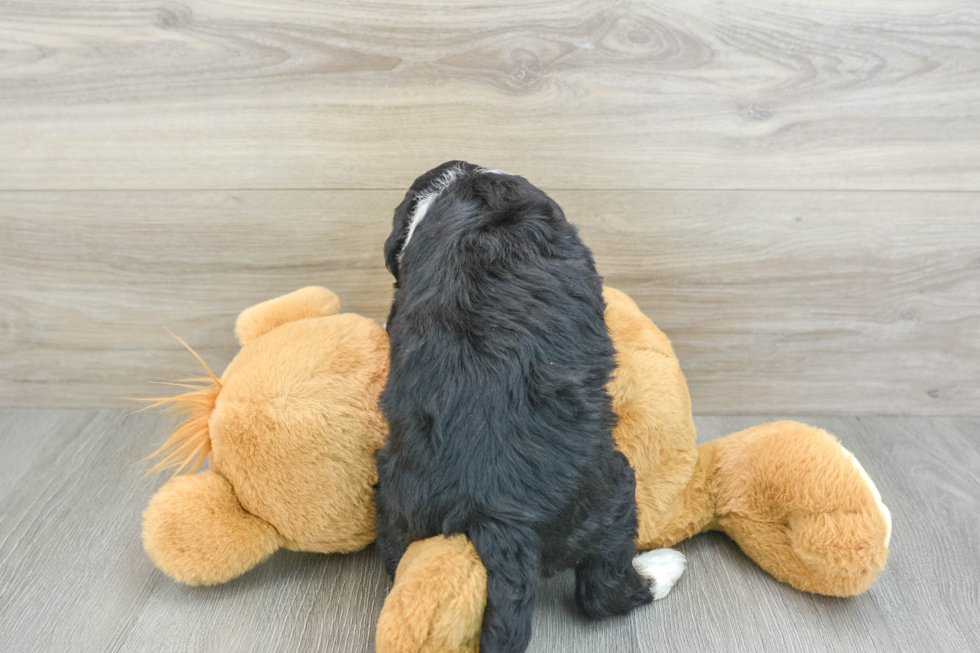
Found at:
(191, 441)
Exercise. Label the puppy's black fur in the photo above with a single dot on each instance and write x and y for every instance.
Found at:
(500, 424)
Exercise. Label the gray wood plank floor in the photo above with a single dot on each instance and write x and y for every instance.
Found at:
(74, 577)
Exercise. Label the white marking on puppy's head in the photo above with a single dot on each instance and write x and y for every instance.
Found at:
(425, 199)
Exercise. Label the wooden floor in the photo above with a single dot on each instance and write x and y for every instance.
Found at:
(74, 577)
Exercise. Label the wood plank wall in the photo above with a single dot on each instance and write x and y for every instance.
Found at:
(790, 190)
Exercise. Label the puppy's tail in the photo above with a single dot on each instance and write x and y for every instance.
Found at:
(437, 603)
(510, 558)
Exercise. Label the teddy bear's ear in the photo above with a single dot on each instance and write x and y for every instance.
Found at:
(312, 301)
(197, 533)
(437, 602)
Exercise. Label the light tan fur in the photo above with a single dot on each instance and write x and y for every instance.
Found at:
(311, 301)
(436, 605)
(196, 531)
(295, 426)
(292, 433)
(787, 495)
(655, 429)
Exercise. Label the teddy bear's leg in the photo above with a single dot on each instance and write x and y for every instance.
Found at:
(798, 503)
(197, 533)
(437, 602)
(813, 553)
(689, 512)
(312, 301)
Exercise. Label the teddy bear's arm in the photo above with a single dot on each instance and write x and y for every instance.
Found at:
(436, 605)
(312, 301)
(197, 533)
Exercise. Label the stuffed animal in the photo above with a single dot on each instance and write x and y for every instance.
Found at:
(292, 426)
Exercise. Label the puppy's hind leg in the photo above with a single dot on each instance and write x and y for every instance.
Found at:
(391, 546)
(391, 536)
(606, 582)
(512, 560)
(390, 541)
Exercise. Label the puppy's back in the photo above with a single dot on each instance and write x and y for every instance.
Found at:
(500, 353)
(500, 424)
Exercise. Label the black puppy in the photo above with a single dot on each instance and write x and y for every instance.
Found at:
(500, 424)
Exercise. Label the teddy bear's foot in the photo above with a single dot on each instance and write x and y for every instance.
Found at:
(882, 508)
(662, 568)
(801, 506)
(196, 531)
(834, 554)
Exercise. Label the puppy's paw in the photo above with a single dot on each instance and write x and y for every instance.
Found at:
(661, 568)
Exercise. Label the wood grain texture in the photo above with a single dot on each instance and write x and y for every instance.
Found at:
(853, 302)
(589, 94)
(73, 575)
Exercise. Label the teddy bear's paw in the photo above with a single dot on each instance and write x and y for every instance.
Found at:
(197, 532)
(437, 602)
(882, 508)
(662, 568)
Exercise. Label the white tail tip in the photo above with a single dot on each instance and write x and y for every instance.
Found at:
(662, 568)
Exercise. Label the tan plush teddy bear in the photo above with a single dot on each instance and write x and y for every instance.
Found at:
(292, 426)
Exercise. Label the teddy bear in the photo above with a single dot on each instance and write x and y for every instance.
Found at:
(292, 425)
